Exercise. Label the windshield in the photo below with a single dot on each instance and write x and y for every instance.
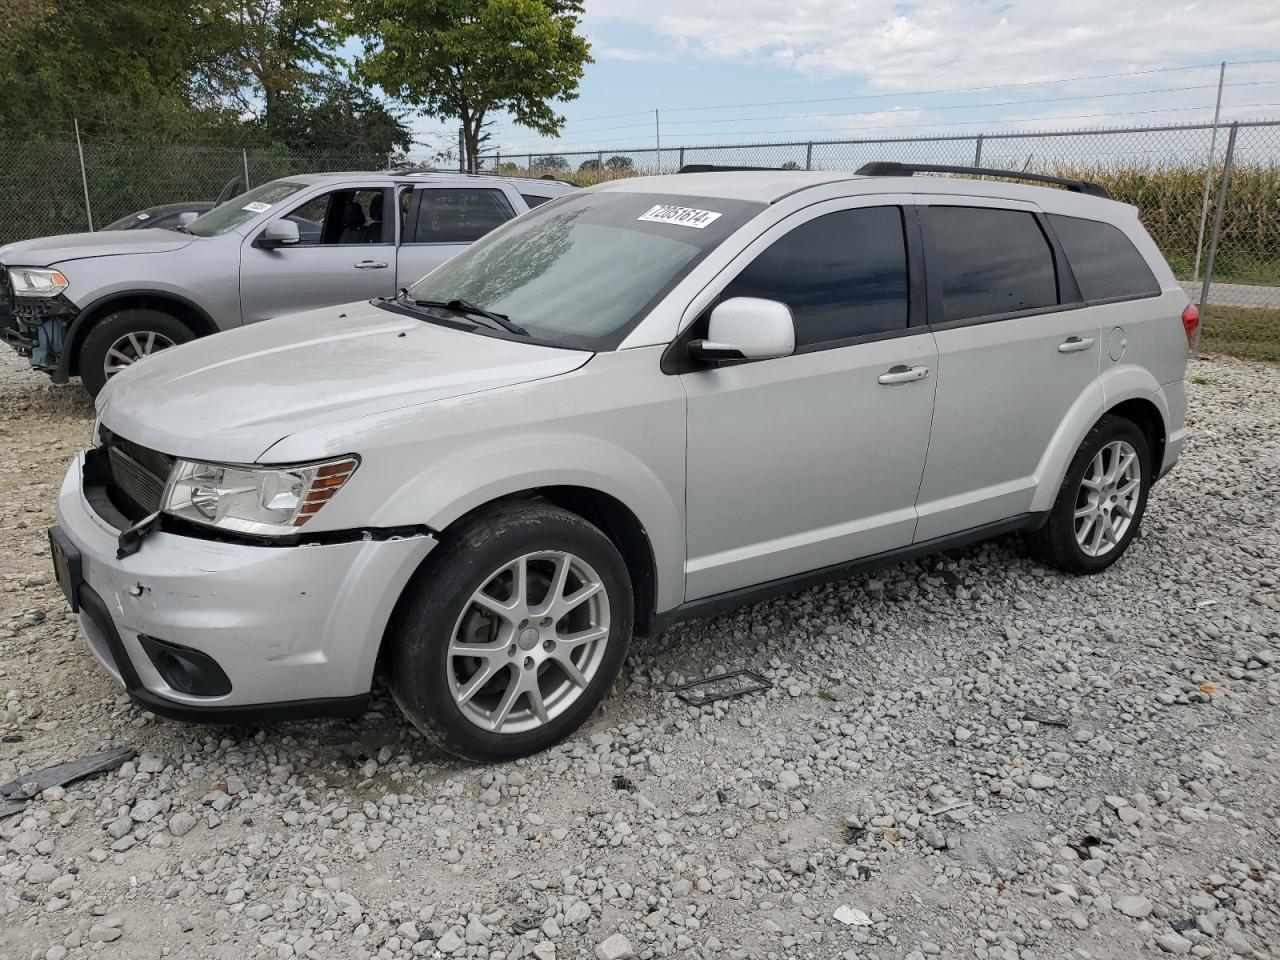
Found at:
(227, 216)
(124, 223)
(584, 269)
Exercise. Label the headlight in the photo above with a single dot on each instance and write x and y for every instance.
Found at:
(267, 501)
(36, 282)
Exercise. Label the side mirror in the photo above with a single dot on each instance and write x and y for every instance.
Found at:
(279, 233)
(747, 328)
(188, 218)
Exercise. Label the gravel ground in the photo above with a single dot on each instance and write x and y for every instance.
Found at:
(887, 798)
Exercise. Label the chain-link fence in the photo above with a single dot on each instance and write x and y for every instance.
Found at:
(1209, 196)
(44, 188)
(1172, 174)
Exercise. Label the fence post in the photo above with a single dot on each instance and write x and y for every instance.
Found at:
(657, 139)
(84, 177)
(530, 168)
(1208, 173)
(1217, 229)
(977, 152)
(681, 167)
(244, 155)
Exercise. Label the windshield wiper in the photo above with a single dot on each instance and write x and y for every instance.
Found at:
(470, 309)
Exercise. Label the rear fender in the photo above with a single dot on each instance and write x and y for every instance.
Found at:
(1113, 387)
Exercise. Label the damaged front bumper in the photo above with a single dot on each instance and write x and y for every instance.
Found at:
(257, 632)
(37, 328)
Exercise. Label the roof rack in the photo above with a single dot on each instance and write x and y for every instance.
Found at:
(716, 168)
(892, 169)
(407, 171)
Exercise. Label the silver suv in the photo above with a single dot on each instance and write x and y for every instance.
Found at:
(651, 400)
(94, 303)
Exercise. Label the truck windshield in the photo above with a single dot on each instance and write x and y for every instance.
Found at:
(227, 216)
(584, 269)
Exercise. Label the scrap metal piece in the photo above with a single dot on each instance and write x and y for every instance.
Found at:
(9, 807)
(1045, 719)
(60, 774)
(722, 686)
(948, 807)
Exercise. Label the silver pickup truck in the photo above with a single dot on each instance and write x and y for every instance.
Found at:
(90, 304)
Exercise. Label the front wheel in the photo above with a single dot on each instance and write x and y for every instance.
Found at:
(1100, 505)
(122, 339)
(513, 632)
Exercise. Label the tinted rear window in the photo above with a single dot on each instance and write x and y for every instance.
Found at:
(990, 262)
(533, 200)
(1105, 262)
(460, 216)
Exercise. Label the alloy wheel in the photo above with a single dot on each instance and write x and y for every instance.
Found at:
(1108, 498)
(528, 642)
(131, 348)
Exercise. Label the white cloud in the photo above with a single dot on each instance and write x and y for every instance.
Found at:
(953, 43)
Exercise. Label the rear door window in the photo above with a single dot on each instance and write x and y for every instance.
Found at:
(459, 215)
(1105, 262)
(844, 275)
(533, 200)
(990, 262)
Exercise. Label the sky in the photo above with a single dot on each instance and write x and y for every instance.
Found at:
(725, 71)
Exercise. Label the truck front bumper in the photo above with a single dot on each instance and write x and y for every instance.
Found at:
(199, 629)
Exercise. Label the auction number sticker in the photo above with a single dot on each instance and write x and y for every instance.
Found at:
(680, 216)
(256, 206)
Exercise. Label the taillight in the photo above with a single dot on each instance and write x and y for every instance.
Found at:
(1191, 322)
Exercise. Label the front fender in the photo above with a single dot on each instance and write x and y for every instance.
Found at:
(1115, 385)
(95, 308)
(485, 472)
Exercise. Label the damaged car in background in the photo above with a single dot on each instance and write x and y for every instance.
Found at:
(92, 304)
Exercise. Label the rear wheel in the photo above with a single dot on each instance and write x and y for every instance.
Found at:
(122, 339)
(513, 633)
(1100, 505)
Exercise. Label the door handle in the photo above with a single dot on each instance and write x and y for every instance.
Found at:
(371, 265)
(902, 374)
(1075, 344)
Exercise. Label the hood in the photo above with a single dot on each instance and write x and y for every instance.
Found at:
(47, 251)
(232, 396)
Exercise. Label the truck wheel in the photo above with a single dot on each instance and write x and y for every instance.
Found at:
(123, 338)
(512, 633)
(1101, 502)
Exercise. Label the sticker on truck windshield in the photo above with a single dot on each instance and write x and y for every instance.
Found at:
(256, 206)
(680, 216)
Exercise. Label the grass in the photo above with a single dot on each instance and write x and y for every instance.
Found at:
(1246, 332)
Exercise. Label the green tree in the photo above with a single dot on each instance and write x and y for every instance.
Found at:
(119, 66)
(552, 163)
(467, 59)
(260, 52)
(619, 164)
(589, 166)
(333, 114)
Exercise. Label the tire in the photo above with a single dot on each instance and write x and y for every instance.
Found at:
(1091, 543)
(446, 695)
(126, 331)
